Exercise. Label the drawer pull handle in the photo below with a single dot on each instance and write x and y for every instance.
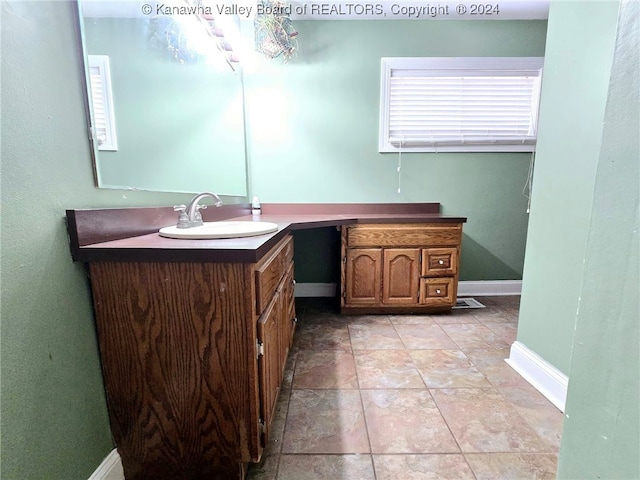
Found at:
(437, 290)
(441, 262)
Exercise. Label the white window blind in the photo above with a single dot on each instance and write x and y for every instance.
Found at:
(459, 104)
(104, 128)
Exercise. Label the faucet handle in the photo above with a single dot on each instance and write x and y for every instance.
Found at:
(197, 216)
(183, 218)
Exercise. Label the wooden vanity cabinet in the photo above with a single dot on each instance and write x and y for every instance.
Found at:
(193, 357)
(410, 267)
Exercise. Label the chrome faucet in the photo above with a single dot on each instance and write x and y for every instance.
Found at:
(190, 215)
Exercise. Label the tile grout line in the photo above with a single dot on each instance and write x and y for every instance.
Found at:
(364, 415)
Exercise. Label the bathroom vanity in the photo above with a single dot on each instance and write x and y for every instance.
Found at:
(194, 334)
(400, 267)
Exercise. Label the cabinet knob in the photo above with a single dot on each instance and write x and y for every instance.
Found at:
(437, 290)
(441, 262)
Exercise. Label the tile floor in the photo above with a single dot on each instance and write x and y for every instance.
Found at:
(406, 397)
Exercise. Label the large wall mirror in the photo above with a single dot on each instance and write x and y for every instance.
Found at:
(178, 114)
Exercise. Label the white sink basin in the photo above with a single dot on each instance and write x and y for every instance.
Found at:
(219, 230)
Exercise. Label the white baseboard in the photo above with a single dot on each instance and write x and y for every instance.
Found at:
(544, 377)
(465, 289)
(110, 468)
(489, 288)
(315, 289)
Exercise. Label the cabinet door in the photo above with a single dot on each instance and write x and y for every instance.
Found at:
(363, 272)
(401, 272)
(269, 362)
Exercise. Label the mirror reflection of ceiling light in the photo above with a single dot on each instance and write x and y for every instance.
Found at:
(207, 34)
(193, 32)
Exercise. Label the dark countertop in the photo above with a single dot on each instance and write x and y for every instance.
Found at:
(94, 238)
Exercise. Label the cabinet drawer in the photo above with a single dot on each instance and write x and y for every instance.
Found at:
(438, 262)
(437, 292)
(270, 270)
(288, 314)
(404, 235)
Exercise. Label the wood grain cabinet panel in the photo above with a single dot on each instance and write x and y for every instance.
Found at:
(401, 270)
(269, 273)
(288, 322)
(269, 362)
(275, 335)
(407, 234)
(437, 262)
(364, 273)
(193, 361)
(437, 291)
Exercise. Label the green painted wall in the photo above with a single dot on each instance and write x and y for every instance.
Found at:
(180, 126)
(577, 64)
(601, 437)
(54, 419)
(313, 131)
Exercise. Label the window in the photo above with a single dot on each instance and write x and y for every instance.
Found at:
(104, 127)
(475, 104)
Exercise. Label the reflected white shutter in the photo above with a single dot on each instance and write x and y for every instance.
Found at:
(102, 102)
(475, 104)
